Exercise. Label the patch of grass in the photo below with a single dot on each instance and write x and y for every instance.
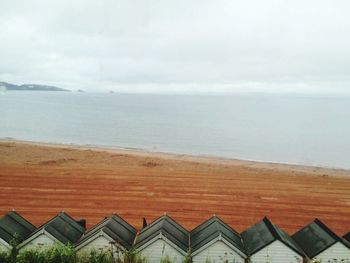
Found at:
(95, 257)
(4, 257)
(67, 254)
(132, 256)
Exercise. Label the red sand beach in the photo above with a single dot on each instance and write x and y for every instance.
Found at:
(40, 180)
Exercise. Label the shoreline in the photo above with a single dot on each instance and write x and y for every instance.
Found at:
(186, 157)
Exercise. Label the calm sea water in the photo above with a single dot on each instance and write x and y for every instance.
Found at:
(277, 128)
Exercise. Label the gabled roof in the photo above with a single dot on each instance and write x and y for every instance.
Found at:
(210, 230)
(316, 237)
(347, 237)
(13, 225)
(116, 228)
(62, 227)
(263, 234)
(169, 228)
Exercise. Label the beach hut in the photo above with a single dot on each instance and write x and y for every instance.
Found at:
(13, 227)
(319, 242)
(163, 239)
(214, 241)
(111, 234)
(62, 229)
(347, 237)
(265, 242)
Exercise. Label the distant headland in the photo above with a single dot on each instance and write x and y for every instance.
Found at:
(30, 87)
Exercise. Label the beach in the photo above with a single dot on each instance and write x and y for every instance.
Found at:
(39, 180)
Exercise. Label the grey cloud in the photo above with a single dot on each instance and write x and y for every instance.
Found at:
(177, 45)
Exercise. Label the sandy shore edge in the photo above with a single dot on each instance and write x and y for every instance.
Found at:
(308, 170)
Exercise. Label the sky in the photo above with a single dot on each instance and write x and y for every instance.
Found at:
(177, 45)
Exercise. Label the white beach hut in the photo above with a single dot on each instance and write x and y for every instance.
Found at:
(265, 242)
(164, 238)
(13, 227)
(321, 243)
(214, 241)
(62, 229)
(112, 234)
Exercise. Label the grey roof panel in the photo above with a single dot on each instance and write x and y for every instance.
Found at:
(6, 236)
(347, 237)
(169, 228)
(264, 233)
(14, 225)
(115, 227)
(210, 230)
(64, 228)
(316, 237)
(257, 237)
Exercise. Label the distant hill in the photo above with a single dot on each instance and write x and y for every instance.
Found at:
(33, 87)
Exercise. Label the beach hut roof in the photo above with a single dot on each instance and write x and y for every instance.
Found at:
(347, 237)
(263, 234)
(316, 238)
(116, 228)
(167, 227)
(13, 225)
(62, 227)
(212, 229)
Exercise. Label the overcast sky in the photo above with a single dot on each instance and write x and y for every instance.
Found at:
(177, 45)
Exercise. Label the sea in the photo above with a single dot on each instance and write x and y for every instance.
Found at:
(280, 128)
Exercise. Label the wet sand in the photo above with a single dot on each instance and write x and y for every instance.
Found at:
(40, 180)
